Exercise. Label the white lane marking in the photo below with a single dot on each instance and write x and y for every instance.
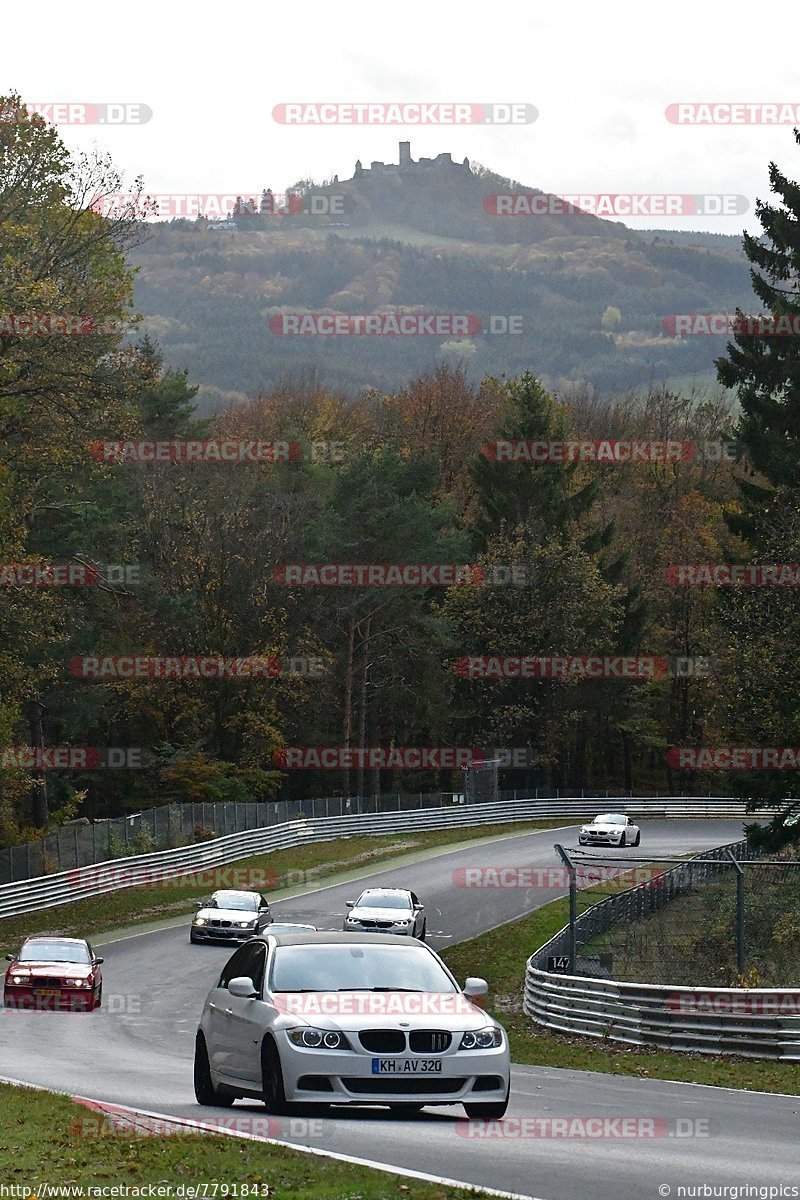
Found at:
(405, 1172)
(608, 1076)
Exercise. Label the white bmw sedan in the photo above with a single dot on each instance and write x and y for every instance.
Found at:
(610, 829)
(336, 1018)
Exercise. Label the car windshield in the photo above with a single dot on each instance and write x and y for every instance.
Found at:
(381, 899)
(610, 819)
(54, 952)
(236, 900)
(343, 967)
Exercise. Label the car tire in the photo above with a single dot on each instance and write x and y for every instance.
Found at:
(193, 939)
(99, 998)
(204, 1090)
(488, 1112)
(623, 841)
(638, 838)
(423, 931)
(272, 1091)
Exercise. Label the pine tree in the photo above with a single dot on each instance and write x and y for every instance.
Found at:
(765, 368)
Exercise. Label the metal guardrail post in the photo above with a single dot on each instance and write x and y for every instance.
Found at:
(573, 906)
(741, 965)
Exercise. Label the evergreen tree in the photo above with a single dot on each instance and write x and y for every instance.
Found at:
(764, 367)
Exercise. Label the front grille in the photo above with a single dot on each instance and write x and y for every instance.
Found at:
(378, 1085)
(383, 1041)
(43, 981)
(221, 924)
(429, 1041)
(376, 924)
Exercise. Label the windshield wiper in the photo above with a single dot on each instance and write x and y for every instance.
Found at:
(378, 989)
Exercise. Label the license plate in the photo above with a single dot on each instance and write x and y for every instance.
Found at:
(47, 992)
(406, 1066)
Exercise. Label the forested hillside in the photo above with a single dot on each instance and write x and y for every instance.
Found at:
(576, 558)
(425, 243)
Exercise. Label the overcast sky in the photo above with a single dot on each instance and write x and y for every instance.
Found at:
(600, 76)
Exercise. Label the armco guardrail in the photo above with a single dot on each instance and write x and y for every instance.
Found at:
(754, 1022)
(49, 891)
(166, 826)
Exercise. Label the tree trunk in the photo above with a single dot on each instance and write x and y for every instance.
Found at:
(362, 715)
(348, 700)
(626, 749)
(40, 814)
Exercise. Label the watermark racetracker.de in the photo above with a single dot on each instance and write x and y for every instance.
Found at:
(73, 758)
(190, 667)
(402, 574)
(437, 112)
(527, 878)
(736, 112)
(220, 450)
(734, 758)
(727, 324)
(588, 666)
(80, 112)
(70, 574)
(733, 574)
(614, 204)
(607, 450)
(394, 324)
(599, 1128)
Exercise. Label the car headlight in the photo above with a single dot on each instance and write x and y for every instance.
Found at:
(352, 920)
(402, 923)
(199, 921)
(78, 983)
(319, 1039)
(20, 978)
(483, 1039)
(245, 924)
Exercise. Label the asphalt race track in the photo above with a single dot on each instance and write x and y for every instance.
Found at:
(138, 1050)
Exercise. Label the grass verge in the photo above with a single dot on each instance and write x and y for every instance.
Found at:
(302, 867)
(500, 957)
(43, 1139)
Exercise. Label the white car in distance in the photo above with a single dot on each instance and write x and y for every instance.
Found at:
(610, 829)
(387, 910)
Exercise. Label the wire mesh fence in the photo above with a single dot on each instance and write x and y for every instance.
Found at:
(721, 919)
(82, 843)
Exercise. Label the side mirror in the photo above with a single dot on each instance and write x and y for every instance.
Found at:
(9, 957)
(349, 903)
(199, 904)
(476, 990)
(98, 961)
(242, 987)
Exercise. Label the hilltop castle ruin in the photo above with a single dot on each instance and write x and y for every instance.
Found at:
(442, 162)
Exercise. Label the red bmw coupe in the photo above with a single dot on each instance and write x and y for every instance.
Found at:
(54, 973)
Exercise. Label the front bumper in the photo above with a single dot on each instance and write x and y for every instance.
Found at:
(372, 929)
(599, 839)
(64, 1000)
(205, 933)
(347, 1077)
